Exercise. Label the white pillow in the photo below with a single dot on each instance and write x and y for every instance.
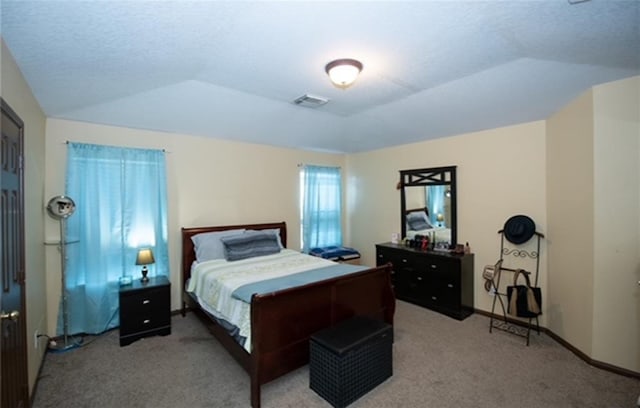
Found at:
(208, 245)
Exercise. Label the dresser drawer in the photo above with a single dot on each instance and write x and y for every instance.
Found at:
(443, 294)
(441, 266)
(401, 268)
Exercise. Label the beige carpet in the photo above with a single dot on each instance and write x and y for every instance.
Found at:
(438, 362)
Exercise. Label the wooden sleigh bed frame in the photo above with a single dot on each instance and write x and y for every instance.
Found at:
(283, 321)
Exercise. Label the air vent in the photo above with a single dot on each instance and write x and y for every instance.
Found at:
(311, 101)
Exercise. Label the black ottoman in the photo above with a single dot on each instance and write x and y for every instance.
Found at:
(349, 359)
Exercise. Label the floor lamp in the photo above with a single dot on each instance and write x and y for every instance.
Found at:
(61, 208)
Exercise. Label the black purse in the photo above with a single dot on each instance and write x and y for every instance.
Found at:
(524, 300)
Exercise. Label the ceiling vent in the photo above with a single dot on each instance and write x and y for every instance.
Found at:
(310, 101)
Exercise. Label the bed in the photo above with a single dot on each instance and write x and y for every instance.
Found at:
(282, 321)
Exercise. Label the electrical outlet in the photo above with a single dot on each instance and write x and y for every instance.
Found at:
(35, 339)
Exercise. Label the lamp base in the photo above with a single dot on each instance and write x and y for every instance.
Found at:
(144, 278)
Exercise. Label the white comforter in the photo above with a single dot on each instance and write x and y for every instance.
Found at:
(213, 282)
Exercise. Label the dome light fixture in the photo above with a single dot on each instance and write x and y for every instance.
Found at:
(343, 72)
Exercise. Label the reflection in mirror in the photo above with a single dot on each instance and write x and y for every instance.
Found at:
(428, 204)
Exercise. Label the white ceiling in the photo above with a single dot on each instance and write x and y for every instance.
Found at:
(232, 69)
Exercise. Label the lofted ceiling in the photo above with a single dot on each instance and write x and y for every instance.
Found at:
(232, 69)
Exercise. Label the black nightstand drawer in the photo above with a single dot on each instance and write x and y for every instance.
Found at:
(145, 309)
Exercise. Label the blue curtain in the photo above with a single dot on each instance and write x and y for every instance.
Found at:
(435, 203)
(321, 207)
(121, 206)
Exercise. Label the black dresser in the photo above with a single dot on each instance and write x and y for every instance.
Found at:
(440, 281)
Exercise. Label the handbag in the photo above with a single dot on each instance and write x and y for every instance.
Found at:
(524, 300)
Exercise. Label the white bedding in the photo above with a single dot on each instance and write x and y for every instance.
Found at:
(214, 281)
(442, 234)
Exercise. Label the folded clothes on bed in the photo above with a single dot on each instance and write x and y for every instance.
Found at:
(335, 253)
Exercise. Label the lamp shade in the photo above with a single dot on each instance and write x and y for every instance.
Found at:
(145, 257)
(343, 72)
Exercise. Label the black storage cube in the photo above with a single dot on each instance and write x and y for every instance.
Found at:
(350, 359)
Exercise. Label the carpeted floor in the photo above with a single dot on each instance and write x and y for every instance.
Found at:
(438, 362)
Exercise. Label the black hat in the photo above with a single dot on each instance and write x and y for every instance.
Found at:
(519, 229)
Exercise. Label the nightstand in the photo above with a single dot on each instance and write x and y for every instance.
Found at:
(145, 309)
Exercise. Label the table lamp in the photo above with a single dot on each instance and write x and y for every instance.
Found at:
(144, 258)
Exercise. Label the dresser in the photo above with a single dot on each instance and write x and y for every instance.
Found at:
(440, 281)
(145, 309)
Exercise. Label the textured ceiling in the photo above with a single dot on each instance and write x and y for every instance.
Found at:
(231, 70)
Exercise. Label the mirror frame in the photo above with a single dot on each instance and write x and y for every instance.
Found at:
(434, 176)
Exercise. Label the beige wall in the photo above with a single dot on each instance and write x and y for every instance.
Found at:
(501, 172)
(415, 198)
(571, 218)
(210, 182)
(593, 177)
(17, 94)
(616, 301)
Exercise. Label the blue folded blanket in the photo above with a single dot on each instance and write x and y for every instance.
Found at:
(335, 253)
(245, 292)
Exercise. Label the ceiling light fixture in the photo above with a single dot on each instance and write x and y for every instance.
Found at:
(343, 72)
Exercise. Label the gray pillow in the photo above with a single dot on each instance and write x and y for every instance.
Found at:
(250, 244)
(275, 231)
(418, 221)
(208, 245)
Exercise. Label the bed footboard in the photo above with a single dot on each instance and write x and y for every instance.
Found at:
(283, 322)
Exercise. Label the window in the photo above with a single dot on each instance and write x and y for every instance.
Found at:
(121, 206)
(320, 207)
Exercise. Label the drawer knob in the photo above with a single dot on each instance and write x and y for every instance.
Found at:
(449, 285)
(433, 266)
(419, 278)
(434, 298)
(404, 261)
(146, 321)
(146, 302)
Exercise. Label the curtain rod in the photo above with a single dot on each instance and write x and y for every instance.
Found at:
(68, 141)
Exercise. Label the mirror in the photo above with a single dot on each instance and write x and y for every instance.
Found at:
(428, 204)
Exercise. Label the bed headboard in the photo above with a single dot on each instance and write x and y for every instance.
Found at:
(188, 250)
(425, 209)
